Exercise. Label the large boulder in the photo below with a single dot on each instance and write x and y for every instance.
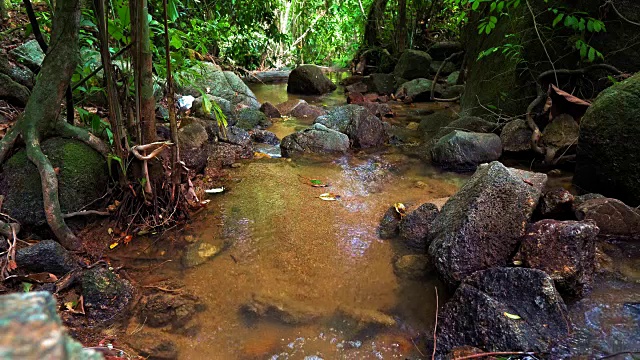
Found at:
(469, 124)
(480, 226)
(32, 329)
(565, 250)
(209, 78)
(381, 83)
(193, 137)
(249, 119)
(504, 309)
(316, 139)
(82, 178)
(464, 151)
(29, 54)
(299, 108)
(413, 64)
(613, 217)
(18, 73)
(363, 128)
(431, 124)
(608, 158)
(309, 80)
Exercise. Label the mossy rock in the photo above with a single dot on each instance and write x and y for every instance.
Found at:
(249, 119)
(82, 178)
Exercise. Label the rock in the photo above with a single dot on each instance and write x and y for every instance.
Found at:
(270, 110)
(613, 217)
(580, 199)
(224, 154)
(32, 329)
(412, 266)
(452, 79)
(365, 318)
(264, 137)
(355, 98)
(198, 253)
(18, 73)
(211, 79)
(414, 227)
(562, 132)
(381, 83)
(305, 111)
(175, 310)
(453, 91)
(46, 256)
(286, 107)
(316, 139)
(379, 110)
(238, 136)
(350, 80)
(565, 250)
(481, 225)
(608, 155)
(364, 129)
(448, 68)
(82, 178)
(156, 347)
(516, 136)
(556, 204)
(464, 151)
(29, 54)
(193, 137)
(309, 80)
(476, 314)
(389, 224)
(469, 124)
(249, 119)
(107, 298)
(444, 49)
(430, 125)
(418, 90)
(359, 87)
(281, 309)
(413, 64)
(13, 92)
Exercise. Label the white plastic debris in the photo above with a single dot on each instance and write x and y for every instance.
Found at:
(185, 102)
(215, 190)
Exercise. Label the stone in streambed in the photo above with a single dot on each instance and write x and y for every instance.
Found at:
(46, 256)
(198, 253)
(413, 267)
(389, 224)
(614, 218)
(316, 139)
(464, 151)
(309, 80)
(281, 309)
(107, 298)
(414, 227)
(362, 127)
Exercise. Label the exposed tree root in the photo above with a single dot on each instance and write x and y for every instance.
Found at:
(435, 79)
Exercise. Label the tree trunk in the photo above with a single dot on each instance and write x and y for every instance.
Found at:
(401, 26)
(376, 12)
(143, 63)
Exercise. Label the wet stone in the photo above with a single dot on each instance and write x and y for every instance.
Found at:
(613, 217)
(414, 227)
(389, 224)
(281, 309)
(556, 204)
(46, 256)
(168, 309)
(413, 267)
(107, 298)
(156, 347)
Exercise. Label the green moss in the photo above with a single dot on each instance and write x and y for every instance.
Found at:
(82, 178)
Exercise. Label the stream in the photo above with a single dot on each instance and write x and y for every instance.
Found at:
(282, 241)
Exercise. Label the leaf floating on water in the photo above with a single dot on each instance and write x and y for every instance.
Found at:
(259, 155)
(112, 246)
(317, 183)
(329, 197)
(512, 316)
(517, 262)
(400, 208)
(215, 190)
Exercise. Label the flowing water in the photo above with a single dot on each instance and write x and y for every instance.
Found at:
(282, 242)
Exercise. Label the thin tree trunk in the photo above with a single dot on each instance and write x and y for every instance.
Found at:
(144, 66)
(175, 158)
(376, 12)
(401, 26)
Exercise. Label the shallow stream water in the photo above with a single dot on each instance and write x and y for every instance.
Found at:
(283, 242)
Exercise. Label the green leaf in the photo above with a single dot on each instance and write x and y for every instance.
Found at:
(475, 5)
(26, 287)
(558, 19)
(176, 42)
(500, 6)
(512, 316)
(592, 54)
(172, 10)
(492, 7)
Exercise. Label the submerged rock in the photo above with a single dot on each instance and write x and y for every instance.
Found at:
(414, 227)
(163, 309)
(501, 309)
(309, 80)
(565, 250)
(480, 226)
(464, 151)
(366, 318)
(265, 137)
(316, 139)
(413, 64)
(107, 298)
(156, 347)
(412, 266)
(363, 128)
(281, 309)
(31, 329)
(46, 256)
(198, 253)
(613, 217)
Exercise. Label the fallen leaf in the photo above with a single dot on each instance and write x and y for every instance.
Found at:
(400, 208)
(112, 246)
(109, 231)
(43, 277)
(512, 316)
(317, 183)
(11, 265)
(517, 262)
(259, 155)
(127, 239)
(329, 197)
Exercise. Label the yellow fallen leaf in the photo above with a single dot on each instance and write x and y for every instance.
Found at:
(329, 197)
(400, 208)
(512, 316)
(113, 245)
(110, 231)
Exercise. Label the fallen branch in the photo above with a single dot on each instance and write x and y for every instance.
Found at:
(86, 212)
(494, 353)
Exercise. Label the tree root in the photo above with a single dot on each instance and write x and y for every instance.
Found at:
(435, 79)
